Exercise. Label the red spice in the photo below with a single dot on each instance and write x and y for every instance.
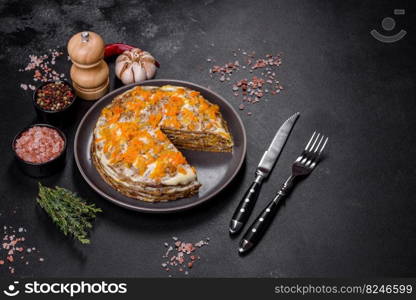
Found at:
(116, 49)
(39, 144)
(54, 96)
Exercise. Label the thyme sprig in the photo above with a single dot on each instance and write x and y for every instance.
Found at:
(69, 212)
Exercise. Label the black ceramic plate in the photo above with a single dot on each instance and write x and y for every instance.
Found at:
(215, 170)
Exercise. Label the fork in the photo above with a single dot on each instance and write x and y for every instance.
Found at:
(301, 167)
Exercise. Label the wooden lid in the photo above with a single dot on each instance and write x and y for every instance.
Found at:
(86, 49)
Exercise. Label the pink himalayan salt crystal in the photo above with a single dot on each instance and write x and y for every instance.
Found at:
(39, 144)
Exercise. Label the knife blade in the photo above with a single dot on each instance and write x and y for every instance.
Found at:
(270, 156)
(263, 170)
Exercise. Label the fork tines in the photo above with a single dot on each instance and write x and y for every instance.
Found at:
(313, 150)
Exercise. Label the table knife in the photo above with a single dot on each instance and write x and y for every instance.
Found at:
(264, 168)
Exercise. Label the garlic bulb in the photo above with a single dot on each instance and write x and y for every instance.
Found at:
(135, 65)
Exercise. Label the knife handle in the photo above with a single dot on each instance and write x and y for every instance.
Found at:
(258, 228)
(246, 205)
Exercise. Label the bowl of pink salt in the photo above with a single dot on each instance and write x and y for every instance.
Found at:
(40, 149)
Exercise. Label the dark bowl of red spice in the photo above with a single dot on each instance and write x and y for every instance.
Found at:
(54, 101)
(40, 149)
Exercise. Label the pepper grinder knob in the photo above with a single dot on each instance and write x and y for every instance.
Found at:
(85, 36)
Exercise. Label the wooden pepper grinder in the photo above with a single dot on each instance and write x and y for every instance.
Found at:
(89, 72)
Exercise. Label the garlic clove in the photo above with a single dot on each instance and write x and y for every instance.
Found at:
(139, 73)
(127, 77)
(121, 67)
(150, 69)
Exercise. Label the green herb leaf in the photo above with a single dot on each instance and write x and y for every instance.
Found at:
(69, 212)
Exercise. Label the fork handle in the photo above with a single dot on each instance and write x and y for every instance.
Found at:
(246, 205)
(262, 222)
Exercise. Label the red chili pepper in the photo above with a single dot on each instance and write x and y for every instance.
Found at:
(118, 48)
(115, 49)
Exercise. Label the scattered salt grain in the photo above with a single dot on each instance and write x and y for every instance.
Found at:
(40, 68)
(168, 251)
(261, 82)
(14, 250)
(181, 256)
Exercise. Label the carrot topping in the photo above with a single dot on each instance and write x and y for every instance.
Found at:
(132, 135)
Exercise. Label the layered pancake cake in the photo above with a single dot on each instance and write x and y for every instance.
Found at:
(137, 138)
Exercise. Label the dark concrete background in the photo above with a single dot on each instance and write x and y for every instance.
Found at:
(354, 216)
